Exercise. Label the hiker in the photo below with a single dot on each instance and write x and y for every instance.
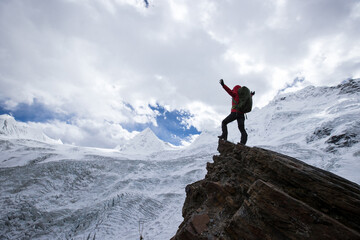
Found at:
(235, 114)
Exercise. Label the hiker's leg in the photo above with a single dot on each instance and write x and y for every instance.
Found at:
(228, 119)
(241, 125)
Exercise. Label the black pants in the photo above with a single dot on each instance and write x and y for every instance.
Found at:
(241, 125)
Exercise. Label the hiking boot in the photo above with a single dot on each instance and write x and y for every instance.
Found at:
(222, 137)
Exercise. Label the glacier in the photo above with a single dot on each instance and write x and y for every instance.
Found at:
(51, 190)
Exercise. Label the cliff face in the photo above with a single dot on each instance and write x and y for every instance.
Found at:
(253, 193)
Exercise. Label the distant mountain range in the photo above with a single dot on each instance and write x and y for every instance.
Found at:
(319, 125)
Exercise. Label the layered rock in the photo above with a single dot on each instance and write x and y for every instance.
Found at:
(253, 193)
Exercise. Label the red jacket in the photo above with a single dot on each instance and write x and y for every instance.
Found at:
(234, 94)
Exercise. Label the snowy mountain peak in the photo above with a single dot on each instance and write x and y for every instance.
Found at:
(10, 128)
(145, 142)
(148, 133)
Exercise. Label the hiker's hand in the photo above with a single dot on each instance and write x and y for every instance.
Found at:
(221, 82)
(253, 93)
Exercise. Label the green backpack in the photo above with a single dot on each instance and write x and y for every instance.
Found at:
(245, 100)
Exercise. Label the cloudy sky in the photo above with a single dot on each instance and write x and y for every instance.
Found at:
(95, 72)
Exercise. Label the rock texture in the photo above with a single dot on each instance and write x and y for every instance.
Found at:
(253, 193)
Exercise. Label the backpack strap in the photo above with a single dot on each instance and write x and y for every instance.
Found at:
(235, 103)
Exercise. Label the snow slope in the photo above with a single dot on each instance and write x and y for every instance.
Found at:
(318, 125)
(59, 191)
(50, 191)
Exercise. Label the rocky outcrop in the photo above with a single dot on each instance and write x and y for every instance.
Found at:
(350, 86)
(253, 193)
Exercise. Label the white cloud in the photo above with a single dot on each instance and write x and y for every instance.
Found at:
(179, 10)
(328, 59)
(88, 58)
(205, 116)
(355, 12)
(246, 64)
(279, 19)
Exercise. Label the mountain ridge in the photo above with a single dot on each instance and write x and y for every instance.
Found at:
(10, 128)
(318, 125)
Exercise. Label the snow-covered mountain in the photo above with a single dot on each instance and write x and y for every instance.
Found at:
(146, 142)
(309, 116)
(318, 125)
(59, 191)
(10, 128)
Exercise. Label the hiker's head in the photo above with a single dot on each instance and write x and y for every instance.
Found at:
(236, 88)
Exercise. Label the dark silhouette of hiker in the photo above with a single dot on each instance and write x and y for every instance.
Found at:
(234, 115)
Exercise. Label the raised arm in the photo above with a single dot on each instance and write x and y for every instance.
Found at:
(227, 89)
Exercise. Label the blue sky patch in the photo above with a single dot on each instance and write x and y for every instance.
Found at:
(35, 112)
(171, 126)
